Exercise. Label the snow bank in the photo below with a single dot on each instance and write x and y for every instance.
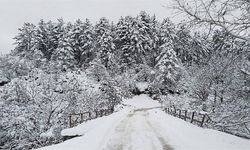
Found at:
(182, 135)
(85, 127)
(142, 101)
(95, 133)
(49, 133)
(142, 86)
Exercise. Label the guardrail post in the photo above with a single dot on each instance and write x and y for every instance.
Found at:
(89, 115)
(203, 119)
(81, 115)
(70, 123)
(101, 112)
(96, 113)
(185, 117)
(192, 118)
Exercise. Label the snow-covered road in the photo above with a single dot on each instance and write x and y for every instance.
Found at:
(141, 125)
(135, 132)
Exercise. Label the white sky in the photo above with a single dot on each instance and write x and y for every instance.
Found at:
(13, 13)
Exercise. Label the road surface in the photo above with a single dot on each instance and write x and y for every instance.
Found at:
(137, 132)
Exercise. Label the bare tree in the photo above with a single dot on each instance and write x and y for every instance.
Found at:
(233, 16)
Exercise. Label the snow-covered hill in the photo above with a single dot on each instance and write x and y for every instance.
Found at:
(141, 125)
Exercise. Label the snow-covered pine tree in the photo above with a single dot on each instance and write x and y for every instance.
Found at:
(123, 40)
(105, 42)
(25, 43)
(167, 32)
(182, 45)
(155, 37)
(78, 43)
(168, 69)
(47, 40)
(140, 37)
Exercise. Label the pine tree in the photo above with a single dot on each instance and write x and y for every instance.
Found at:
(79, 43)
(123, 41)
(168, 67)
(182, 45)
(48, 37)
(25, 40)
(154, 51)
(105, 41)
(140, 37)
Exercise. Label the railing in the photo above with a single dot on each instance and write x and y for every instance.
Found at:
(193, 117)
(77, 118)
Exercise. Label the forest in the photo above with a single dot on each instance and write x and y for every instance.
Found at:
(58, 68)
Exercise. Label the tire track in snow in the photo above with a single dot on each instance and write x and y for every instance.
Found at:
(136, 132)
(161, 139)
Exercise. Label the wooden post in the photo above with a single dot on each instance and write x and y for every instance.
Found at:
(185, 117)
(96, 113)
(89, 117)
(203, 119)
(70, 123)
(81, 115)
(101, 112)
(192, 118)
(179, 113)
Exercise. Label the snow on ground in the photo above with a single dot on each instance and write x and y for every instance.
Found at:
(185, 136)
(135, 132)
(95, 133)
(141, 101)
(143, 126)
(142, 86)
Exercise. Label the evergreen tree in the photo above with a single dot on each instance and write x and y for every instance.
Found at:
(79, 43)
(25, 40)
(105, 42)
(141, 41)
(48, 37)
(123, 40)
(154, 51)
(168, 67)
(182, 45)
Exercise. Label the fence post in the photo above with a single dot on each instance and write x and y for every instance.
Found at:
(81, 115)
(70, 124)
(101, 112)
(185, 117)
(179, 113)
(96, 113)
(192, 118)
(203, 119)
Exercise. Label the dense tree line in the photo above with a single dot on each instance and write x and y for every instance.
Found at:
(59, 68)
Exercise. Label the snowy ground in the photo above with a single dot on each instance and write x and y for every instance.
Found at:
(143, 126)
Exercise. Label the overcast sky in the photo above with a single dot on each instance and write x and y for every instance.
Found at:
(13, 13)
